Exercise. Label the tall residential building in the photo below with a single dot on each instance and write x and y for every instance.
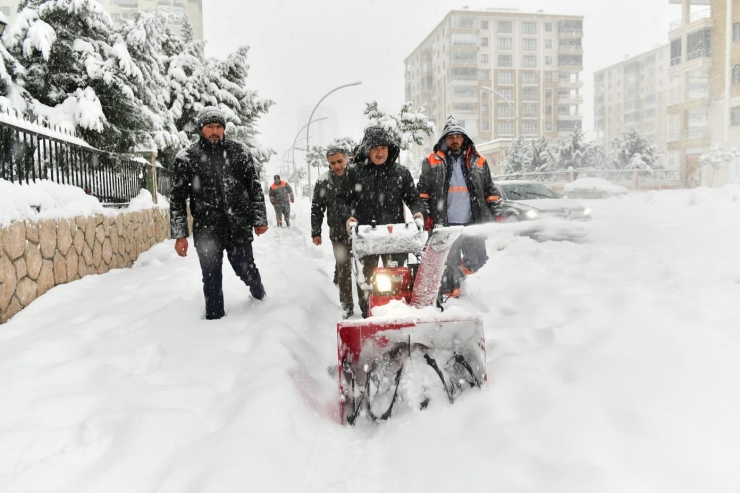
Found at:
(121, 10)
(531, 62)
(633, 95)
(704, 78)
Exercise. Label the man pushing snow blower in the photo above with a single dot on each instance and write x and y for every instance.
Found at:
(406, 354)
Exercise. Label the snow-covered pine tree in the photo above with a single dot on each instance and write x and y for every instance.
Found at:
(316, 157)
(576, 152)
(633, 151)
(517, 160)
(406, 129)
(70, 75)
(542, 154)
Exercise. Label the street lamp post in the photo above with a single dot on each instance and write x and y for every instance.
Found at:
(299, 133)
(308, 146)
(490, 110)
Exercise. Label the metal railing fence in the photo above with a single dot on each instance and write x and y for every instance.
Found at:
(28, 152)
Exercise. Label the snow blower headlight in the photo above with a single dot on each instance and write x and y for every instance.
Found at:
(383, 283)
(531, 214)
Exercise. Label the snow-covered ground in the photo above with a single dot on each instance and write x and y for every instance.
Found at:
(613, 366)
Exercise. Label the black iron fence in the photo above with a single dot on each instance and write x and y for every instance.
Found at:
(30, 152)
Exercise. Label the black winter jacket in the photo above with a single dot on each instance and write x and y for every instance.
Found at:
(226, 198)
(325, 200)
(378, 192)
(434, 182)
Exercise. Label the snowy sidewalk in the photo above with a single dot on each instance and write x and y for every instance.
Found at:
(613, 367)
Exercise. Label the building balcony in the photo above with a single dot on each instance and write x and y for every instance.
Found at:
(571, 84)
(575, 98)
(570, 49)
(702, 16)
(570, 33)
(696, 133)
(570, 116)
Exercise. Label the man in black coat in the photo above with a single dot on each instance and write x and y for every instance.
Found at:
(456, 188)
(226, 200)
(377, 191)
(324, 200)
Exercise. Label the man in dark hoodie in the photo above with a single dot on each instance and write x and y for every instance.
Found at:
(226, 200)
(456, 188)
(377, 191)
(324, 200)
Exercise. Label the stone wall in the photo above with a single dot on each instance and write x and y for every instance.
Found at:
(36, 256)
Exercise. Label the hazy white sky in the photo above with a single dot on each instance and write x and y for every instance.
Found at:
(301, 49)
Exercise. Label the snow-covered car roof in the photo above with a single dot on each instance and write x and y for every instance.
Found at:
(594, 184)
(519, 182)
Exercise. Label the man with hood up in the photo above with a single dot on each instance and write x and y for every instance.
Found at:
(377, 191)
(219, 177)
(456, 188)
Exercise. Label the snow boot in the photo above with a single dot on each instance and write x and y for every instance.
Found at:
(280, 224)
(287, 223)
(258, 293)
(347, 311)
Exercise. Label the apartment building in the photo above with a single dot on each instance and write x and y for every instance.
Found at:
(704, 85)
(121, 10)
(502, 73)
(633, 95)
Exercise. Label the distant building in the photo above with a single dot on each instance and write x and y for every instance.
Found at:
(704, 86)
(533, 62)
(633, 95)
(121, 10)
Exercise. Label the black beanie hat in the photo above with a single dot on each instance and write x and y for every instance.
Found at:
(210, 114)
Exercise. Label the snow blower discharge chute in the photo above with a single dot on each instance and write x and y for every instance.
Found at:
(405, 358)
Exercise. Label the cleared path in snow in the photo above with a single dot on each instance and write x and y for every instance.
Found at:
(613, 367)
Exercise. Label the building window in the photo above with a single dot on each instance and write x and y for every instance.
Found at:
(505, 111)
(5, 10)
(529, 61)
(548, 110)
(484, 75)
(547, 76)
(484, 41)
(484, 58)
(464, 39)
(529, 44)
(735, 116)
(114, 17)
(548, 27)
(463, 73)
(529, 111)
(736, 74)
(505, 128)
(529, 28)
(675, 52)
(548, 60)
(484, 109)
(529, 94)
(485, 126)
(464, 91)
(504, 78)
(548, 93)
(529, 128)
(484, 24)
(504, 60)
(460, 22)
(548, 126)
(465, 57)
(505, 93)
(504, 27)
(504, 44)
(548, 44)
(529, 78)
(570, 60)
(698, 44)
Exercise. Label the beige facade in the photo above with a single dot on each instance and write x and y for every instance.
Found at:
(501, 73)
(121, 10)
(633, 95)
(704, 99)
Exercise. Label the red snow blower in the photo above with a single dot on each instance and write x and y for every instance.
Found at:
(405, 355)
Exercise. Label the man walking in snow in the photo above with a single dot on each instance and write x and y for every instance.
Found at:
(376, 191)
(456, 188)
(324, 200)
(219, 177)
(281, 196)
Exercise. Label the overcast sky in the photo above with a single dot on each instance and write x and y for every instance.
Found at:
(301, 49)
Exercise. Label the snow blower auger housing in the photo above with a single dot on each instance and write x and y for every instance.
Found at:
(406, 355)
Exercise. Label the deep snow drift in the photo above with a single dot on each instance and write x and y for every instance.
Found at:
(613, 366)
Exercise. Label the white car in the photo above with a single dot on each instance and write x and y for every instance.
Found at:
(593, 188)
(529, 200)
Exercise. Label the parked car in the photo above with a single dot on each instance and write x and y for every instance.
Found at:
(593, 188)
(529, 200)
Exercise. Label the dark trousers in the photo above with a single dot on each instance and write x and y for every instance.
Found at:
(344, 272)
(369, 264)
(282, 211)
(241, 258)
(467, 255)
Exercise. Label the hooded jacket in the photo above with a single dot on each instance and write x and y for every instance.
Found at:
(436, 170)
(226, 198)
(377, 192)
(325, 199)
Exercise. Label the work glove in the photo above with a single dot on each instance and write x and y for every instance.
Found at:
(291, 201)
(259, 230)
(428, 223)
